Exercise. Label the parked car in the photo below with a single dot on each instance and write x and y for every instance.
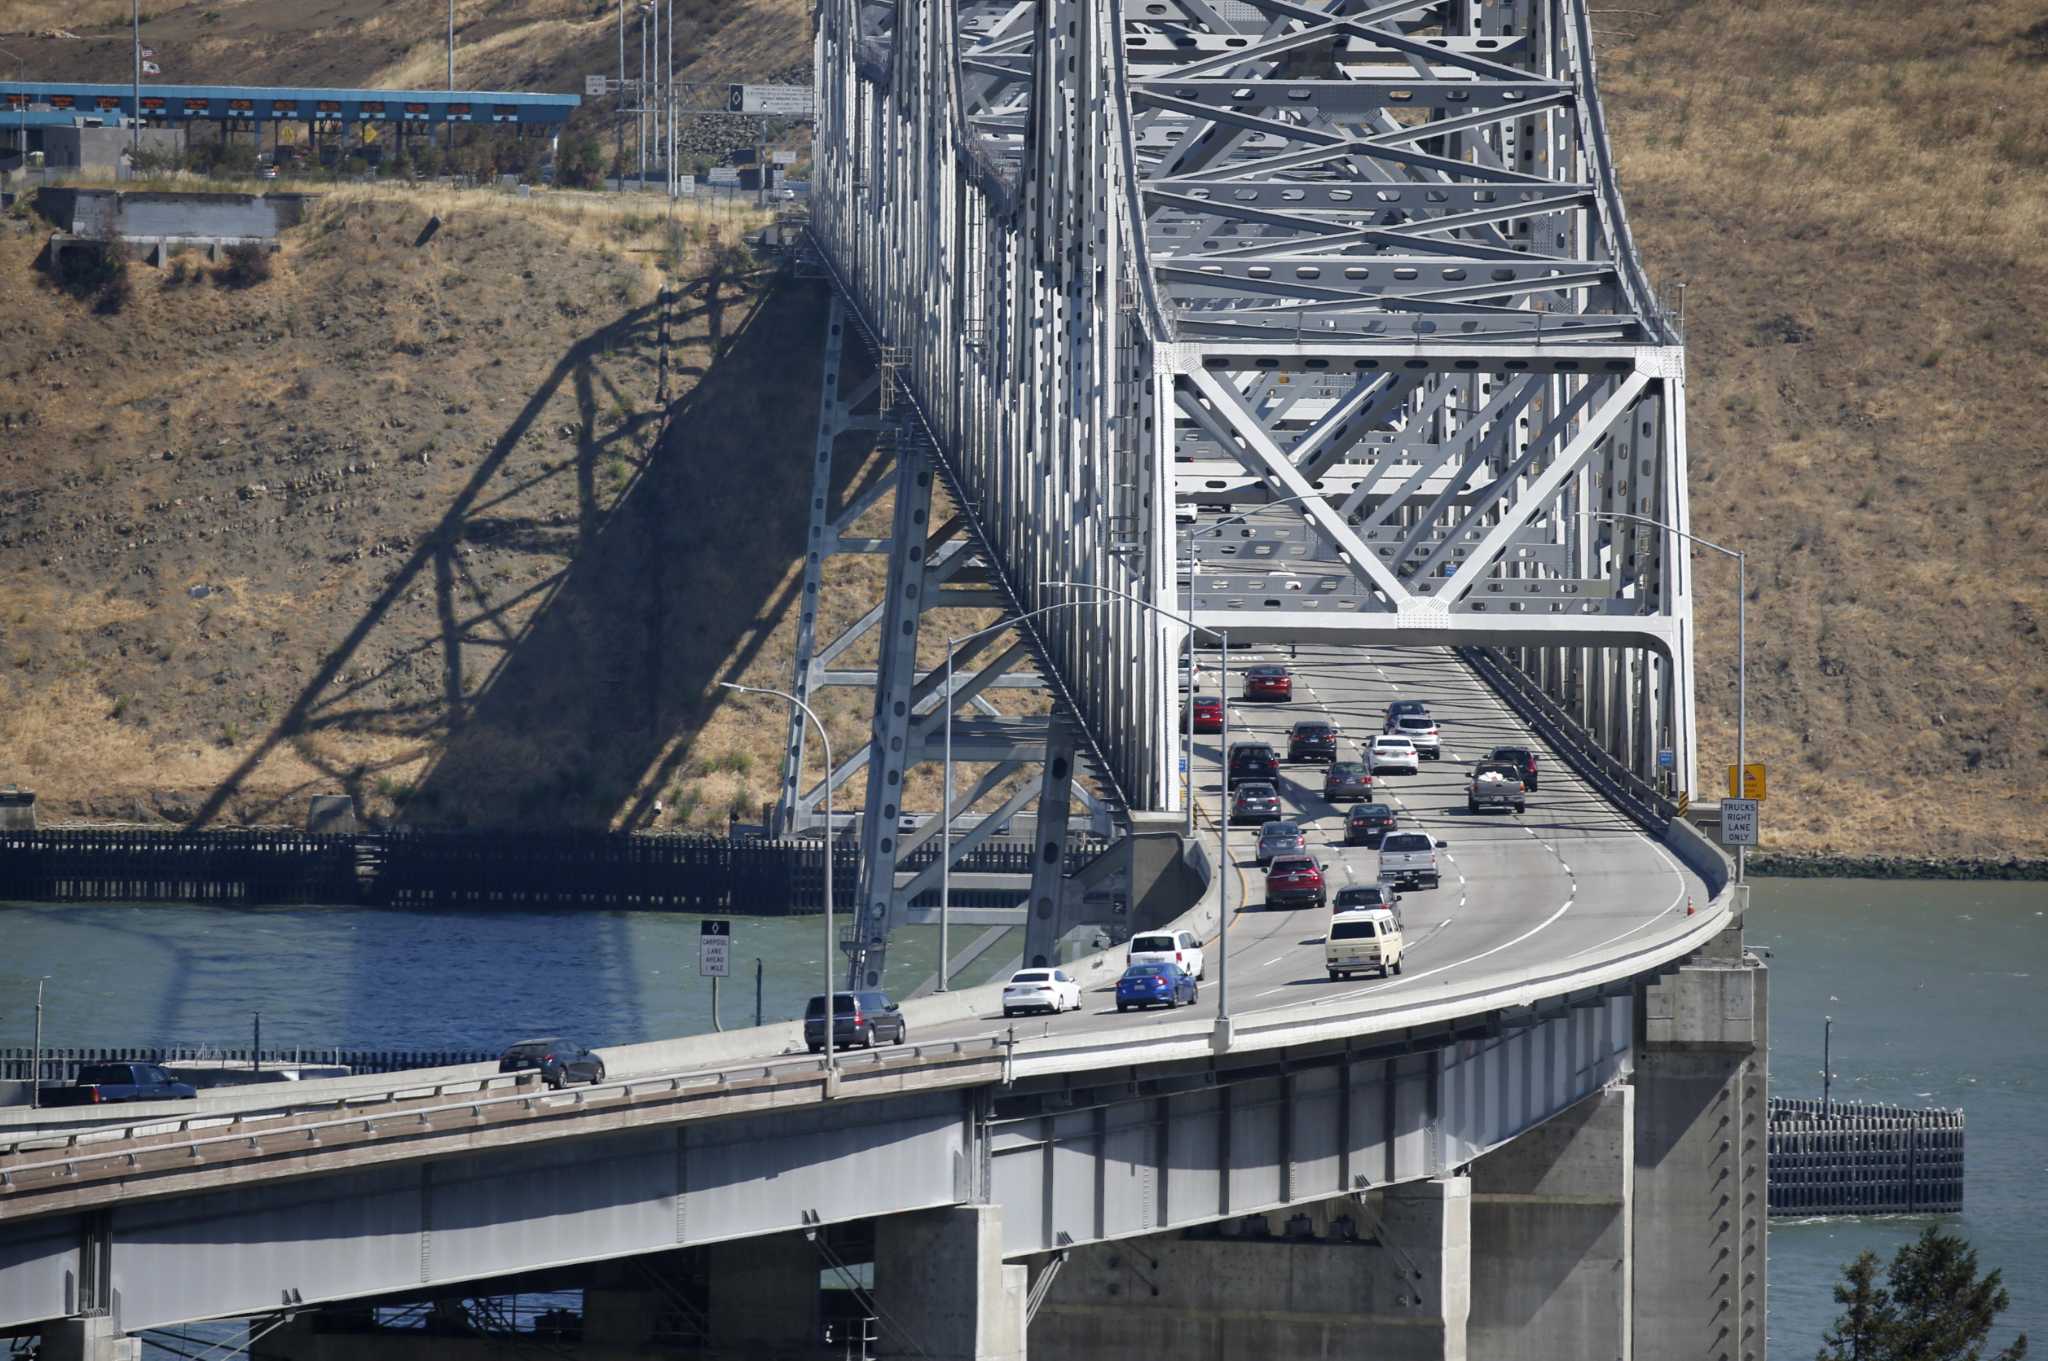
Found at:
(1359, 897)
(1522, 758)
(1152, 985)
(1360, 939)
(1168, 947)
(1254, 801)
(1296, 881)
(1393, 753)
(1040, 990)
(1312, 740)
(857, 1018)
(559, 1061)
(1208, 713)
(1400, 709)
(1410, 858)
(1268, 682)
(1495, 784)
(1280, 837)
(1347, 780)
(1253, 761)
(1367, 823)
(106, 1084)
(1421, 729)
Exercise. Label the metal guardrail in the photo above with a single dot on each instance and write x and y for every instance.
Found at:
(61, 1065)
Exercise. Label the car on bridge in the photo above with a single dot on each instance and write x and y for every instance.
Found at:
(1152, 985)
(1522, 759)
(1040, 990)
(1421, 729)
(1346, 780)
(1269, 682)
(1280, 837)
(1296, 881)
(1410, 858)
(1359, 897)
(1362, 938)
(1393, 753)
(106, 1084)
(1206, 713)
(1180, 948)
(559, 1061)
(1366, 823)
(859, 1018)
(1255, 801)
(1312, 740)
(1495, 784)
(1253, 761)
(1400, 709)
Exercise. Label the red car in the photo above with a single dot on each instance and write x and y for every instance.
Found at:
(1296, 881)
(1268, 682)
(1208, 713)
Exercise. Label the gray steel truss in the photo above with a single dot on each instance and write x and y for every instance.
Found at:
(1363, 264)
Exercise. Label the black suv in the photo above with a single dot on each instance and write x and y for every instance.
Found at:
(1312, 742)
(560, 1061)
(857, 1018)
(1522, 759)
(1253, 761)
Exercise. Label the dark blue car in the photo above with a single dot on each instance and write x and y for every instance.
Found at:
(1145, 985)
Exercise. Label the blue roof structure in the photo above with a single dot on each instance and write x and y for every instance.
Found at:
(262, 103)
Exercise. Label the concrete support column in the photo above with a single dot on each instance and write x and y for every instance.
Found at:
(87, 1339)
(1429, 1223)
(1701, 1159)
(764, 1296)
(943, 1290)
(1552, 1237)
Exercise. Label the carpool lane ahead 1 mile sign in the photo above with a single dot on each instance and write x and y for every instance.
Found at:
(714, 949)
(786, 101)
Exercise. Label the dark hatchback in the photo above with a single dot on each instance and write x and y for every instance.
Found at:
(1400, 709)
(1253, 761)
(559, 1061)
(1268, 682)
(1281, 838)
(1347, 780)
(860, 1018)
(1312, 742)
(1522, 759)
(1156, 985)
(1255, 801)
(1367, 823)
(1359, 897)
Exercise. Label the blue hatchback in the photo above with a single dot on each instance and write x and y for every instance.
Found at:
(1146, 985)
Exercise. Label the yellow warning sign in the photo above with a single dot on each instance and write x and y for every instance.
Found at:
(1751, 785)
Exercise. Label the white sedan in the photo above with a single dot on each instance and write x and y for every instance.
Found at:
(1040, 990)
(1393, 753)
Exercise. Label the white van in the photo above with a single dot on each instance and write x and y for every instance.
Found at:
(1168, 947)
(1360, 940)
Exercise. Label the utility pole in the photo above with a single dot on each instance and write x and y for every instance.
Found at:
(619, 113)
(35, 1074)
(135, 123)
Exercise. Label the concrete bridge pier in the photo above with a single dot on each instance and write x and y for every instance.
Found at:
(87, 1339)
(943, 1290)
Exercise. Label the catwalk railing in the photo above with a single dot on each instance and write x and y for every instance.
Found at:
(60, 1065)
(1860, 1159)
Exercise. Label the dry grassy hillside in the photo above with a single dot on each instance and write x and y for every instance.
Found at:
(1857, 197)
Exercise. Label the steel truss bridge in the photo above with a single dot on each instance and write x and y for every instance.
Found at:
(1362, 264)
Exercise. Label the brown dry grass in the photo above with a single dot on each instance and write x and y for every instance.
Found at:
(1857, 197)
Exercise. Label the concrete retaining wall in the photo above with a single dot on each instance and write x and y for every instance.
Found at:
(155, 216)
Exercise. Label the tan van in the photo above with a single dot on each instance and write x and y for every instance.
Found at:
(1360, 940)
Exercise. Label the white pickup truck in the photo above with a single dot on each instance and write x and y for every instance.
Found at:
(1410, 858)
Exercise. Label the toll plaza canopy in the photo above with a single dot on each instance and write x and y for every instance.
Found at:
(259, 103)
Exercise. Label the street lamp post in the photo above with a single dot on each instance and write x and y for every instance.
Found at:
(946, 796)
(831, 1018)
(35, 1074)
(1741, 642)
(1223, 801)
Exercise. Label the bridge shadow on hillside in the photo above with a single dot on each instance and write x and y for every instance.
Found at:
(679, 587)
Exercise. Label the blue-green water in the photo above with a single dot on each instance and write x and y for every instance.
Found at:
(1937, 990)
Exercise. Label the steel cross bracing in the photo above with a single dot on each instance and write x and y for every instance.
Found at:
(1361, 262)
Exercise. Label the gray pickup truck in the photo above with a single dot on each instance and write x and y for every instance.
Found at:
(104, 1084)
(1495, 784)
(1409, 858)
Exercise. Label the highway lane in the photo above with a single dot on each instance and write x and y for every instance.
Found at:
(1569, 877)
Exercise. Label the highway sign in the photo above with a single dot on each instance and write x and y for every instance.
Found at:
(593, 87)
(1666, 758)
(1752, 786)
(784, 157)
(788, 101)
(1738, 822)
(714, 949)
(722, 174)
